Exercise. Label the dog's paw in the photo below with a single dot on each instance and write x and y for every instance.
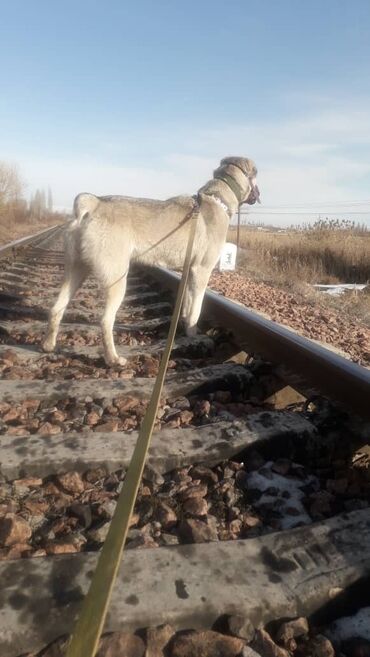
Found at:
(191, 331)
(119, 361)
(48, 346)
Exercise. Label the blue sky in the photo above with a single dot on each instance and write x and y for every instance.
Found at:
(144, 98)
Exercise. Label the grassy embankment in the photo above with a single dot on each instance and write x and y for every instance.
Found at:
(13, 228)
(330, 252)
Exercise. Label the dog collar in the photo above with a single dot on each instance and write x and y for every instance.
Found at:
(234, 186)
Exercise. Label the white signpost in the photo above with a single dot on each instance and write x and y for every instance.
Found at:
(227, 260)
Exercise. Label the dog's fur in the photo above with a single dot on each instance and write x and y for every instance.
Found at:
(110, 231)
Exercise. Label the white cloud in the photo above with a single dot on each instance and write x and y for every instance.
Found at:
(68, 178)
(306, 150)
(320, 157)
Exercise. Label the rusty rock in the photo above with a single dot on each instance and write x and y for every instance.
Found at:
(121, 644)
(250, 521)
(157, 639)
(14, 529)
(126, 403)
(61, 547)
(165, 515)
(266, 646)
(71, 482)
(206, 644)
(186, 416)
(249, 652)
(58, 416)
(13, 414)
(142, 540)
(18, 550)
(111, 425)
(92, 476)
(92, 418)
(196, 506)
(30, 482)
(197, 531)
(18, 431)
(291, 630)
(99, 534)
(195, 490)
(48, 429)
(149, 366)
(129, 423)
(241, 627)
(31, 405)
(202, 407)
(204, 474)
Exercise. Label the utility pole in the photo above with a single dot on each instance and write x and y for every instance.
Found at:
(238, 230)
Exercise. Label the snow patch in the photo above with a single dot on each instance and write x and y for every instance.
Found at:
(286, 498)
(350, 627)
(337, 290)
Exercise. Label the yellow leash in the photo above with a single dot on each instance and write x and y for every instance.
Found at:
(85, 638)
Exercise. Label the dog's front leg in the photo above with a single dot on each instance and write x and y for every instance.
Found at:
(194, 294)
(114, 297)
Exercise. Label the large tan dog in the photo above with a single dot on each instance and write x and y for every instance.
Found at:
(110, 231)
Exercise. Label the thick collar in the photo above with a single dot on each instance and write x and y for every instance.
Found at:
(233, 184)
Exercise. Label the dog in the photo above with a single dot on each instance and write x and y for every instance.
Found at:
(108, 232)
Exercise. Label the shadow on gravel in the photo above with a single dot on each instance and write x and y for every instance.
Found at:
(347, 603)
(27, 597)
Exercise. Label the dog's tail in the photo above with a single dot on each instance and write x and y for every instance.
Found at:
(84, 204)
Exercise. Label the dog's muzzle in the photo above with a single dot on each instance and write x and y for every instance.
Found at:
(254, 194)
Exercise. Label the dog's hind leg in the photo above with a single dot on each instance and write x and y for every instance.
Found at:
(196, 287)
(73, 278)
(114, 296)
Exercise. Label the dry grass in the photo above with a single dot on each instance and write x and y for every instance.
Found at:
(322, 256)
(295, 259)
(13, 228)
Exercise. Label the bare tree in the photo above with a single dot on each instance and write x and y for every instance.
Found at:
(42, 203)
(36, 206)
(50, 201)
(11, 186)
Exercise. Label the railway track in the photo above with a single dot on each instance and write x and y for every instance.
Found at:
(256, 493)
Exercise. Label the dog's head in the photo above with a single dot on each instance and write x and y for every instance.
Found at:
(242, 173)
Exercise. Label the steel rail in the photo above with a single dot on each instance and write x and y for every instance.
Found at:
(307, 365)
(27, 240)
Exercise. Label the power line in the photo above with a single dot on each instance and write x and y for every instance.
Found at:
(326, 204)
(314, 212)
(321, 205)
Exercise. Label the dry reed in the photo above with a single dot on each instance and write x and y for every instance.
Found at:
(322, 254)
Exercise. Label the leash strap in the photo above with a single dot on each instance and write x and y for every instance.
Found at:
(86, 635)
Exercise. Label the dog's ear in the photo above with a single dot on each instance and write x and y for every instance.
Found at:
(247, 166)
